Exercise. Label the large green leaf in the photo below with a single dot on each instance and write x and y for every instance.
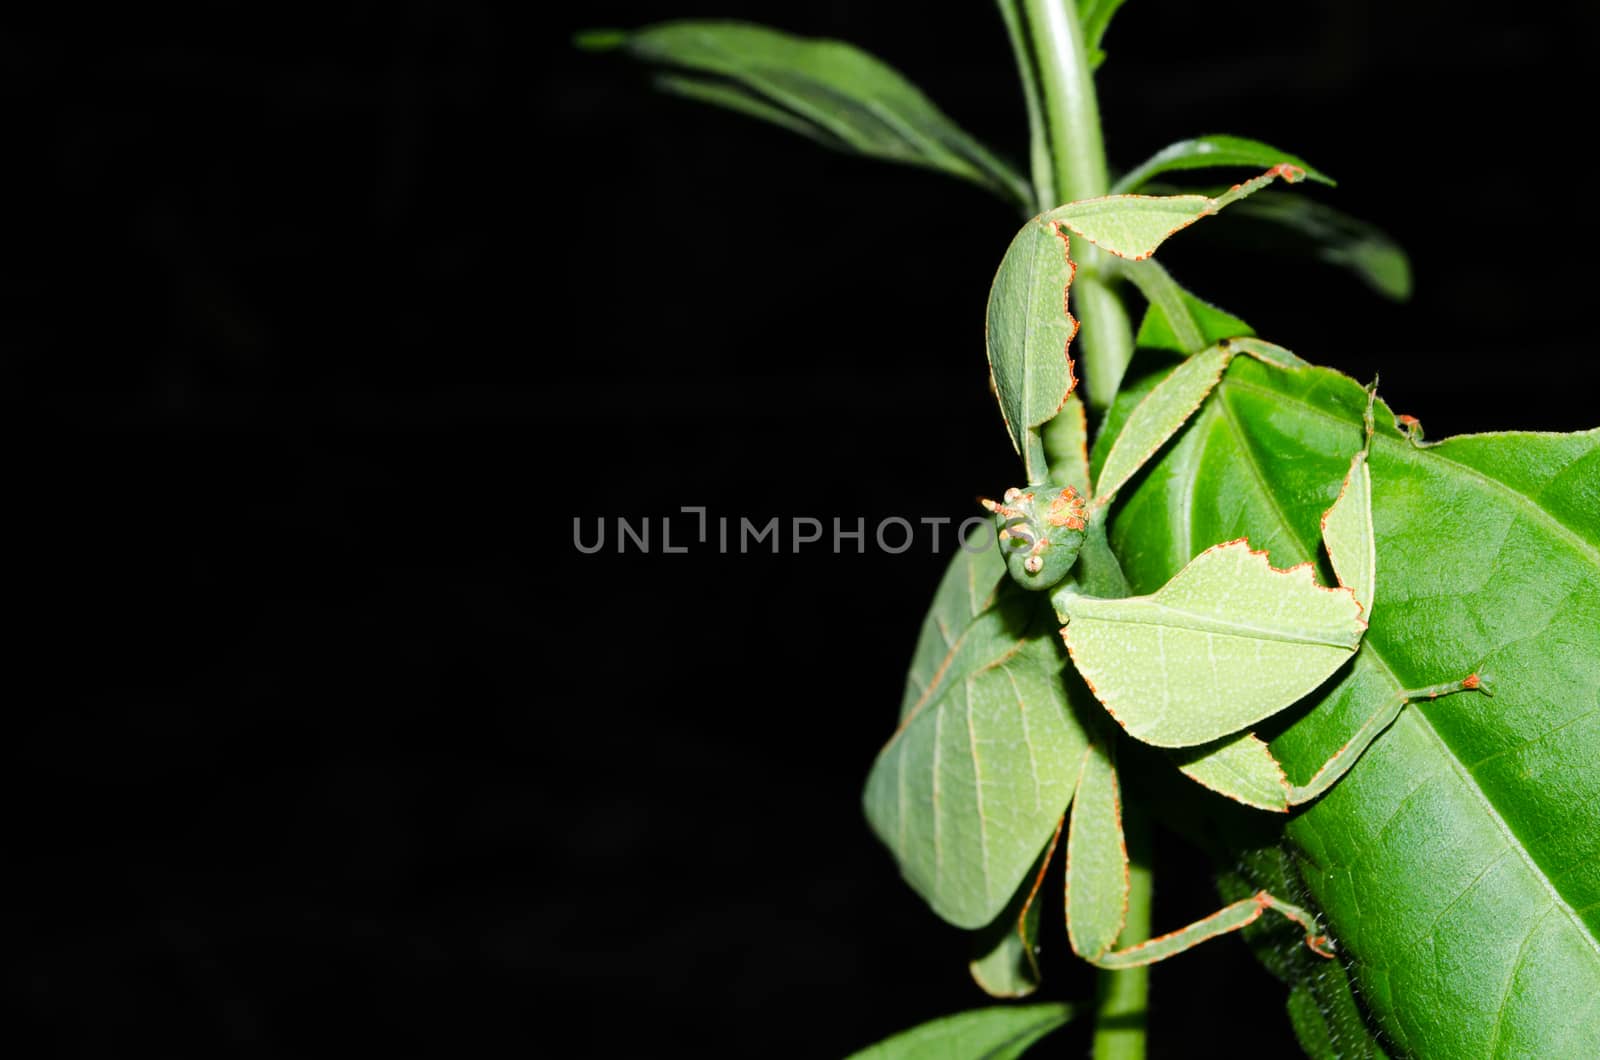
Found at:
(831, 91)
(1458, 862)
(974, 781)
(1027, 332)
(1321, 1006)
(1000, 1032)
(1213, 152)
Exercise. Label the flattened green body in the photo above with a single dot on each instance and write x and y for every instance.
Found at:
(1230, 640)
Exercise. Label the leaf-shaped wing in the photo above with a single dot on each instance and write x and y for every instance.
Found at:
(1228, 641)
(1133, 226)
(974, 781)
(1159, 416)
(967, 590)
(1028, 331)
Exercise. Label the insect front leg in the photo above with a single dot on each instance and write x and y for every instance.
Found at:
(1097, 882)
(1345, 757)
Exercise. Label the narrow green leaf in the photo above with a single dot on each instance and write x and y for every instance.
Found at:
(1334, 237)
(1177, 321)
(1139, 428)
(1240, 767)
(974, 781)
(731, 97)
(1097, 856)
(1214, 152)
(833, 92)
(1227, 642)
(1094, 16)
(1000, 1032)
(1028, 331)
(1040, 165)
(1159, 416)
(1458, 862)
(1347, 531)
(1133, 226)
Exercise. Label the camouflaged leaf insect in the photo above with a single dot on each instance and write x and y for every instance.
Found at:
(1040, 531)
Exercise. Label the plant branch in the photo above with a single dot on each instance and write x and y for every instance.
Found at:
(1078, 171)
(1122, 997)
(1039, 164)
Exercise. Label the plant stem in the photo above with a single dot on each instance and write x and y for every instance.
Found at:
(1071, 114)
(1039, 164)
(1122, 997)
(1078, 156)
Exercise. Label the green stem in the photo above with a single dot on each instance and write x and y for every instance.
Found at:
(1163, 292)
(1122, 997)
(1064, 83)
(1078, 163)
(1039, 164)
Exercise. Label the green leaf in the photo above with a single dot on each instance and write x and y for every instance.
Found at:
(1227, 642)
(1240, 767)
(1458, 863)
(1177, 321)
(1133, 226)
(1007, 963)
(974, 781)
(1000, 1032)
(732, 97)
(832, 92)
(1159, 416)
(1214, 152)
(1334, 237)
(1321, 1005)
(967, 590)
(1094, 16)
(1028, 331)
(1348, 533)
(1097, 859)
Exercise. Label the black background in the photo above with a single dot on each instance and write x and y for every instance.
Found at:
(323, 322)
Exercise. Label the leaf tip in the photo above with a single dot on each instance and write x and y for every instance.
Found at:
(599, 40)
(1291, 173)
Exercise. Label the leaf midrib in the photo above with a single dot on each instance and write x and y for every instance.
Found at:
(1202, 623)
(1405, 446)
(1369, 643)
